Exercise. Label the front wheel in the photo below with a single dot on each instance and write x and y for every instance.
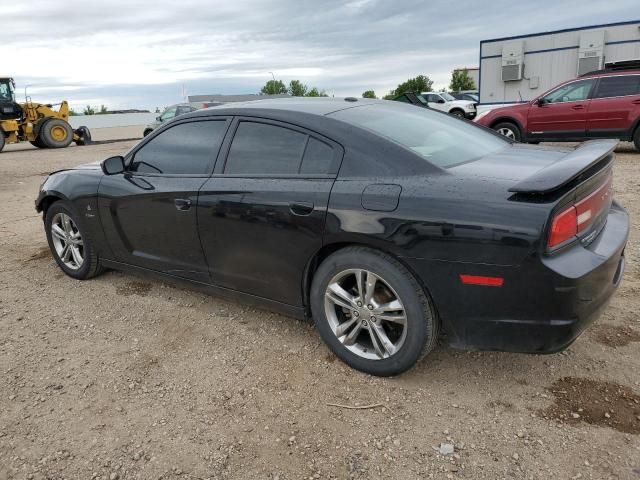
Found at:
(2, 140)
(509, 130)
(69, 242)
(371, 311)
(636, 139)
(56, 133)
(457, 113)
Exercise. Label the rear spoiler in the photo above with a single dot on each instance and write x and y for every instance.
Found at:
(560, 173)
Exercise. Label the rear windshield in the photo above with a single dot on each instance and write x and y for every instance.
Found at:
(439, 138)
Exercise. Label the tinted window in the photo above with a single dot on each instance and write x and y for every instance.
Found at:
(441, 139)
(571, 92)
(619, 86)
(318, 158)
(260, 148)
(188, 148)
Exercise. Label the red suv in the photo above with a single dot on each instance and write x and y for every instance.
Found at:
(603, 104)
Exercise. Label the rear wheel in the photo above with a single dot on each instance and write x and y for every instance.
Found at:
(371, 311)
(38, 143)
(69, 242)
(509, 130)
(56, 133)
(2, 140)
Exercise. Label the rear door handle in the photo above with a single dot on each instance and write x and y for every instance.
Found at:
(182, 204)
(578, 107)
(301, 208)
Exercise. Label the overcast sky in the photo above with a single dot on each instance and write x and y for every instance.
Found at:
(138, 54)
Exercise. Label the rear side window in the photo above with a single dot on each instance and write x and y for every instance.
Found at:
(264, 149)
(187, 148)
(618, 86)
(318, 157)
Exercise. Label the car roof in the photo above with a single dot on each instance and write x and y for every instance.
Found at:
(314, 106)
(607, 73)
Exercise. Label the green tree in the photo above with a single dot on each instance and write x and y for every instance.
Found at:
(297, 88)
(314, 92)
(72, 112)
(103, 110)
(369, 94)
(88, 110)
(273, 87)
(419, 84)
(461, 80)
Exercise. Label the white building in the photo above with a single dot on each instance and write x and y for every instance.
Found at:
(520, 68)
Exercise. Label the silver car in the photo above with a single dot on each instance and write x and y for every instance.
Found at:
(169, 114)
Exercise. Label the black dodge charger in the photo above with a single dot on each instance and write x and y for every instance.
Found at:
(384, 222)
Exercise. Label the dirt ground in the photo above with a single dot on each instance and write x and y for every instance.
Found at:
(124, 378)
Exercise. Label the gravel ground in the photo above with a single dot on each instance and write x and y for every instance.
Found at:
(122, 378)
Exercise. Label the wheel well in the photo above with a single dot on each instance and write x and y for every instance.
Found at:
(46, 202)
(507, 120)
(322, 254)
(456, 109)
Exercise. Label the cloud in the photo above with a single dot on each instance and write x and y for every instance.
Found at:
(133, 53)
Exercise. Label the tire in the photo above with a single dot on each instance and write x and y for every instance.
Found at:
(38, 143)
(85, 136)
(509, 130)
(2, 140)
(56, 133)
(147, 132)
(636, 139)
(410, 341)
(457, 113)
(90, 266)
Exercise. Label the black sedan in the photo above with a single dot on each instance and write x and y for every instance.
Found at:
(384, 222)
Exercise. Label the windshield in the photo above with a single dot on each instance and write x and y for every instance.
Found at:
(437, 137)
(447, 97)
(6, 90)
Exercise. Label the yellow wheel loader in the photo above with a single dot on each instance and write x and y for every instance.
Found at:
(37, 123)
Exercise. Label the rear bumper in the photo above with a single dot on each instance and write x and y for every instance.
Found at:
(543, 305)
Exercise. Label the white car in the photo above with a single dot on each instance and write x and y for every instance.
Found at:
(446, 103)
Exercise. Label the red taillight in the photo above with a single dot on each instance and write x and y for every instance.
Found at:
(578, 217)
(563, 227)
(480, 280)
(590, 206)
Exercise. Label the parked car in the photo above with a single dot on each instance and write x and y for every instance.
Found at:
(446, 103)
(469, 95)
(604, 104)
(384, 222)
(169, 113)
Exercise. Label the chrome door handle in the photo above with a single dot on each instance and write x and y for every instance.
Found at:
(301, 208)
(182, 204)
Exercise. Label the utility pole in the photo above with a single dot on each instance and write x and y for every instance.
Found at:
(273, 85)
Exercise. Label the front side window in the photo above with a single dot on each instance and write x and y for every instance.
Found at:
(187, 148)
(447, 97)
(618, 86)
(5, 90)
(438, 138)
(265, 149)
(572, 92)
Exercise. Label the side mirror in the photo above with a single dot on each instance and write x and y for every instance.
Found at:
(441, 101)
(158, 119)
(541, 101)
(113, 165)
